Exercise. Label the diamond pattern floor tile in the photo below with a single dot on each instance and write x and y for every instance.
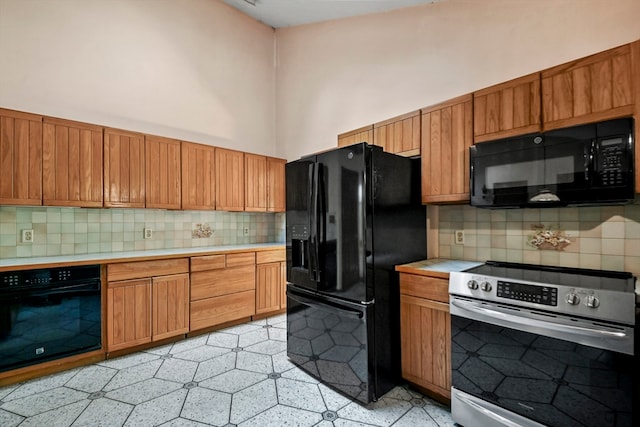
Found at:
(240, 376)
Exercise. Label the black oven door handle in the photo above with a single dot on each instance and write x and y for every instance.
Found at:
(616, 339)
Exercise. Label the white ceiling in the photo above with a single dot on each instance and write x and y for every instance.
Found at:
(288, 13)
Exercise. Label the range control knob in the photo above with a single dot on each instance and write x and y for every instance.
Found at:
(485, 286)
(592, 301)
(472, 284)
(572, 299)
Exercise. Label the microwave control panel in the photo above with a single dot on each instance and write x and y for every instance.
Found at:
(611, 161)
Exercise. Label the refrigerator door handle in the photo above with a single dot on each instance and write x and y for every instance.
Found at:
(312, 221)
(314, 257)
(340, 311)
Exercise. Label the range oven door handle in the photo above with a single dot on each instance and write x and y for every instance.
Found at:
(612, 339)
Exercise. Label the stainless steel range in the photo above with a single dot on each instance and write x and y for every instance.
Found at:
(535, 345)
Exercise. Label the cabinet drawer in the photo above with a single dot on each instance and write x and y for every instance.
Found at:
(265, 257)
(139, 269)
(208, 262)
(206, 284)
(213, 311)
(424, 287)
(244, 258)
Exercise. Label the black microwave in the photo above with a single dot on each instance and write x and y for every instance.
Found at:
(578, 166)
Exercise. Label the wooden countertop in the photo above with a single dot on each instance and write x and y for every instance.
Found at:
(113, 257)
(436, 267)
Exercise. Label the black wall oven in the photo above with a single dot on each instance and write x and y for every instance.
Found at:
(530, 353)
(48, 314)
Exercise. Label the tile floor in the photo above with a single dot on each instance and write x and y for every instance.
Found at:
(239, 376)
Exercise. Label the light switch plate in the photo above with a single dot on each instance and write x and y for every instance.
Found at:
(27, 236)
(458, 237)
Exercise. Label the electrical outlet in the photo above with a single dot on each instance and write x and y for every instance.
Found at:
(458, 237)
(246, 231)
(148, 233)
(27, 236)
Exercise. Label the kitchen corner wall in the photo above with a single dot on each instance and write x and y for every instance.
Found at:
(76, 231)
(605, 238)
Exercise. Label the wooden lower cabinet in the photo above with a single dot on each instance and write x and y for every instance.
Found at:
(143, 307)
(271, 281)
(223, 288)
(425, 331)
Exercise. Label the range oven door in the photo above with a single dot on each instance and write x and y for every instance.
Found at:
(519, 367)
(329, 339)
(49, 322)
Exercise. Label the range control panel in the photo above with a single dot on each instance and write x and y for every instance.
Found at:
(546, 295)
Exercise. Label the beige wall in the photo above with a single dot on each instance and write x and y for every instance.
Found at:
(190, 69)
(340, 75)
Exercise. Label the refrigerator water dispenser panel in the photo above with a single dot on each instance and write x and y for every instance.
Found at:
(300, 246)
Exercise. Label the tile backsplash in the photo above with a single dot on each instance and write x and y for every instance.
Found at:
(606, 238)
(76, 231)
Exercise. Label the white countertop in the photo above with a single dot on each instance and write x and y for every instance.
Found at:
(106, 257)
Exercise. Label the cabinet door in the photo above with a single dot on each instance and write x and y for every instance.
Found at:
(198, 176)
(507, 109)
(400, 135)
(255, 172)
(283, 284)
(229, 180)
(71, 163)
(425, 333)
(123, 169)
(635, 63)
(363, 134)
(446, 138)
(162, 173)
(594, 88)
(20, 158)
(170, 315)
(128, 313)
(275, 185)
(268, 287)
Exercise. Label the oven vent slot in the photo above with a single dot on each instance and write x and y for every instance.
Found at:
(544, 313)
(613, 327)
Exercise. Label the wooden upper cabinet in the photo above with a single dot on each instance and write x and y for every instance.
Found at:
(363, 134)
(400, 135)
(20, 158)
(124, 169)
(276, 195)
(446, 138)
(507, 109)
(255, 172)
(198, 176)
(635, 64)
(229, 170)
(162, 173)
(594, 88)
(71, 163)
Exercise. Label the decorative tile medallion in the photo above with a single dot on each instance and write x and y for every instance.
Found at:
(546, 238)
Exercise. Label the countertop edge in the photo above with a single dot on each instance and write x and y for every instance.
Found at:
(118, 257)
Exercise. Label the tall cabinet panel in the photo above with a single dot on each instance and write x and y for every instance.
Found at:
(446, 138)
(71, 163)
(275, 185)
(124, 166)
(255, 172)
(20, 158)
(229, 180)
(198, 176)
(507, 109)
(162, 173)
(598, 87)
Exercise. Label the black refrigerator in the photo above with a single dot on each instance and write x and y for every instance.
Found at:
(353, 214)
